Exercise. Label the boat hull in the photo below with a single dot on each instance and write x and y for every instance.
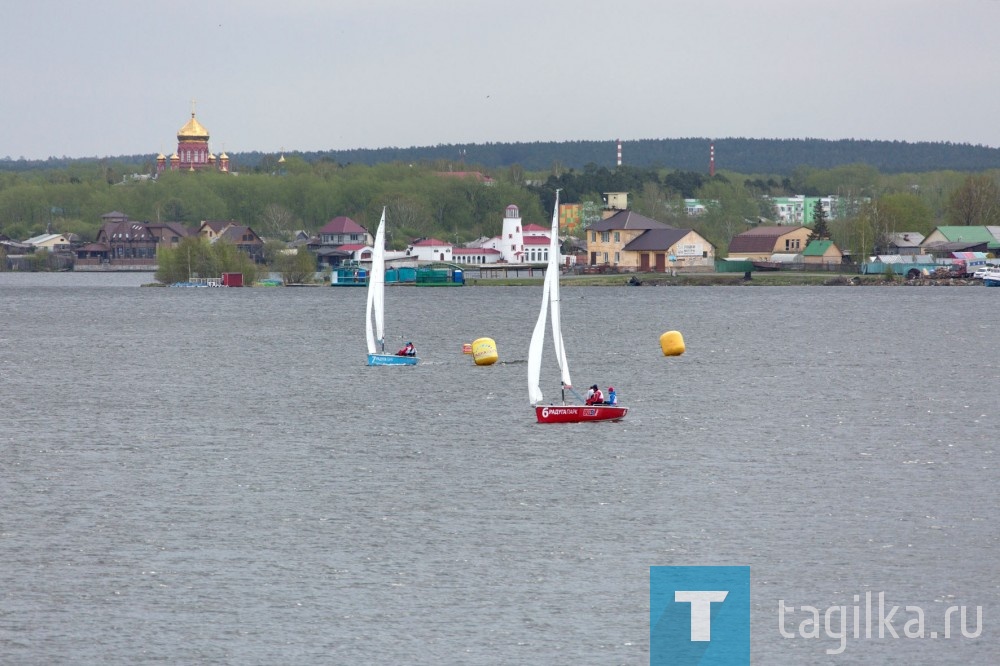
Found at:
(391, 359)
(579, 413)
(992, 282)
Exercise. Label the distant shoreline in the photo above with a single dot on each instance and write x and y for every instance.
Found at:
(757, 279)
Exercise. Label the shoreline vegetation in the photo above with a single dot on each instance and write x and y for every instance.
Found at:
(757, 279)
(761, 279)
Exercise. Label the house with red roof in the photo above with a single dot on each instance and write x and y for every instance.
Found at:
(340, 241)
(343, 230)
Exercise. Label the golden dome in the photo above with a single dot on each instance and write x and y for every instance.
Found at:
(160, 157)
(192, 130)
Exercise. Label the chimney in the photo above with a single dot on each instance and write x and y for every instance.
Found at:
(619, 152)
(711, 159)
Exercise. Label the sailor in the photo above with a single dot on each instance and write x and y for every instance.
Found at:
(595, 396)
(612, 396)
(408, 350)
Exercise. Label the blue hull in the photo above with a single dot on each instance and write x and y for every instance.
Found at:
(391, 359)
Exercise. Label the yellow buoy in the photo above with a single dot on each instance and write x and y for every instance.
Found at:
(672, 343)
(484, 351)
(467, 348)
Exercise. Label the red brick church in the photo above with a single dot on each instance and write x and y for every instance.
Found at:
(192, 151)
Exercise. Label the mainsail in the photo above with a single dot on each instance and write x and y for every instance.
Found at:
(550, 300)
(376, 293)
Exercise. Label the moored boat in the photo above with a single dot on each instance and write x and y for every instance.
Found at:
(991, 278)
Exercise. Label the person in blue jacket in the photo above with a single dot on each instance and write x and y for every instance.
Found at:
(612, 396)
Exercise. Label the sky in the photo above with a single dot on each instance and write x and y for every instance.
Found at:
(120, 77)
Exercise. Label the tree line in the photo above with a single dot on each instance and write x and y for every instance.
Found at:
(744, 155)
(433, 200)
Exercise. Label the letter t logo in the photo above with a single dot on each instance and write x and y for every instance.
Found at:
(701, 610)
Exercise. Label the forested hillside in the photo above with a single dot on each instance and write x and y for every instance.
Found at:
(433, 198)
(772, 156)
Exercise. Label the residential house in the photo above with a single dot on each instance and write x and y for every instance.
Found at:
(906, 242)
(50, 242)
(213, 229)
(760, 243)
(633, 242)
(946, 239)
(822, 253)
(243, 237)
(653, 249)
(122, 244)
(343, 230)
(167, 234)
(606, 240)
(333, 236)
(128, 244)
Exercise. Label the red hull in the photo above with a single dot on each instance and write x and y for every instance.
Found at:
(579, 413)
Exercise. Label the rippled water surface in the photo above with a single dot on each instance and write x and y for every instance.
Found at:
(214, 476)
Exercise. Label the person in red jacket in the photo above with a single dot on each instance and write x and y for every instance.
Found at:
(595, 398)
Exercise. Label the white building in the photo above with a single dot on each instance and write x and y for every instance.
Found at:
(475, 255)
(430, 249)
(520, 243)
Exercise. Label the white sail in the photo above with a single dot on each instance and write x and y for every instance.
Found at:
(555, 298)
(376, 293)
(535, 348)
(550, 299)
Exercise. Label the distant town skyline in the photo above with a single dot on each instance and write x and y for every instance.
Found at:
(118, 78)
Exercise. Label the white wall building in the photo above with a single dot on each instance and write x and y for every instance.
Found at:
(430, 249)
(519, 243)
(475, 255)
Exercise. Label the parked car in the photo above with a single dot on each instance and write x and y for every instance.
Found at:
(982, 271)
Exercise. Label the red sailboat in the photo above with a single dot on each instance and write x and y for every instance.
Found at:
(561, 413)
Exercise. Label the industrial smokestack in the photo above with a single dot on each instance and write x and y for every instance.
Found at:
(619, 152)
(711, 159)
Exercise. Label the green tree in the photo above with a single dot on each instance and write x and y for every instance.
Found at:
(296, 267)
(976, 202)
(821, 229)
(729, 208)
(195, 256)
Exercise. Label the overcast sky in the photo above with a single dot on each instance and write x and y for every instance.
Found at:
(114, 77)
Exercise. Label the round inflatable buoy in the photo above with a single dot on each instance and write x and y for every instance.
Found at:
(467, 348)
(484, 351)
(672, 343)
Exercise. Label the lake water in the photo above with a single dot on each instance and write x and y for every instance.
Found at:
(213, 476)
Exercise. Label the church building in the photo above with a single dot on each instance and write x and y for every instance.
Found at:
(192, 151)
